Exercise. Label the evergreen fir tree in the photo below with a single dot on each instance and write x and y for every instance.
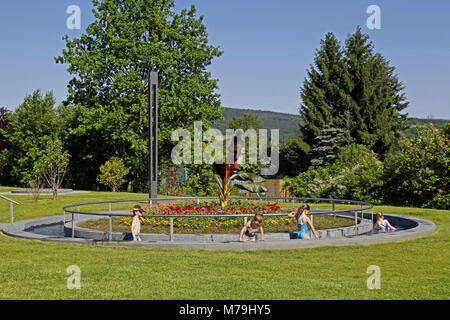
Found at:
(354, 89)
(331, 141)
(321, 91)
(374, 97)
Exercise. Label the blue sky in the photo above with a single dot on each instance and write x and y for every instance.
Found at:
(268, 46)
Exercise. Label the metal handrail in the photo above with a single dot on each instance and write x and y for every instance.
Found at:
(12, 202)
(124, 213)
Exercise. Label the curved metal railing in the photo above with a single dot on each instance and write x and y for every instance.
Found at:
(12, 203)
(150, 201)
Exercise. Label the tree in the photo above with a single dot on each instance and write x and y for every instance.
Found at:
(322, 92)
(417, 170)
(112, 173)
(248, 121)
(356, 174)
(333, 138)
(29, 129)
(107, 93)
(376, 97)
(356, 84)
(294, 156)
(3, 124)
(52, 165)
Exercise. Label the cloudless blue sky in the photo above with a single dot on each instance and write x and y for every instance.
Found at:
(268, 46)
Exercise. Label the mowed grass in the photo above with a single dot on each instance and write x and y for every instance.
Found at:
(413, 269)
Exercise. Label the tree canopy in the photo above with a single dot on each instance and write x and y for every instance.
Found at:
(353, 80)
(107, 93)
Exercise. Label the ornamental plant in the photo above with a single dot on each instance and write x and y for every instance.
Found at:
(228, 177)
(112, 173)
(154, 213)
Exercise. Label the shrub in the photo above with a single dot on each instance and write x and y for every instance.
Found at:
(356, 174)
(112, 173)
(416, 172)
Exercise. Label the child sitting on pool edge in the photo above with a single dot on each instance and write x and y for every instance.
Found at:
(136, 224)
(382, 225)
(248, 232)
(303, 221)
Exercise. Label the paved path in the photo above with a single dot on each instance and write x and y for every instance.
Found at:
(421, 228)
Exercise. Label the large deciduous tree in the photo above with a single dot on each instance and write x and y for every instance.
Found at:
(107, 93)
(29, 129)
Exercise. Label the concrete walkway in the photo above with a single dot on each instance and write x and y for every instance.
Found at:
(278, 241)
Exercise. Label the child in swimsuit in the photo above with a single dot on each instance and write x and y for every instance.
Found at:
(382, 225)
(303, 221)
(136, 224)
(248, 232)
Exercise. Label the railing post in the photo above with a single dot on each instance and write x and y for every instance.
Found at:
(356, 222)
(110, 223)
(12, 212)
(110, 228)
(171, 229)
(73, 226)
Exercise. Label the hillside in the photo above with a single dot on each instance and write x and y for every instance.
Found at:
(288, 124)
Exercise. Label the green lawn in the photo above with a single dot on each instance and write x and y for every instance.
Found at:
(414, 269)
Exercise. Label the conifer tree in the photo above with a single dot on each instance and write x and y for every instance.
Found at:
(375, 97)
(321, 92)
(355, 84)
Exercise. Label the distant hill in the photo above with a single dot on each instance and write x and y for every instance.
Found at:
(288, 124)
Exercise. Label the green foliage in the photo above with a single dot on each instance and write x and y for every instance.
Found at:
(417, 171)
(328, 145)
(112, 173)
(294, 156)
(356, 174)
(228, 177)
(248, 121)
(236, 207)
(29, 129)
(200, 181)
(356, 81)
(3, 124)
(107, 93)
(51, 166)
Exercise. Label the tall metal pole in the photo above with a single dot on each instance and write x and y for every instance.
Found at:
(153, 107)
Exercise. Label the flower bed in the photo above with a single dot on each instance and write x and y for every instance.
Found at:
(236, 208)
(157, 218)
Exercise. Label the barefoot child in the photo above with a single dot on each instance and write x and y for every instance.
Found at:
(382, 225)
(248, 232)
(303, 221)
(136, 224)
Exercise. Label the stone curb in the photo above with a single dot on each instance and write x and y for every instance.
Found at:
(418, 228)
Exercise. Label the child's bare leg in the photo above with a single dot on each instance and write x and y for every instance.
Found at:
(134, 233)
(306, 236)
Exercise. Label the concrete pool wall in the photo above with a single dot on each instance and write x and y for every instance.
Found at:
(414, 227)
